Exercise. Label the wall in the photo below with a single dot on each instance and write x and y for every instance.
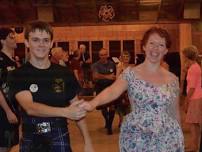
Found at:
(197, 40)
(109, 32)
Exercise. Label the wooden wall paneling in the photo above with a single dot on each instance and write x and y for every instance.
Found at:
(106, 45)
(104, 33)
(138, 47)
(197, 40)
(185, 38)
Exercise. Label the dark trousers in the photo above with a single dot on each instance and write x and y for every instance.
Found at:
(108, 110)
(86, 74)
(108, 113)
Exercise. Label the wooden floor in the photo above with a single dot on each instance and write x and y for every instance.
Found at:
(101, 141)
(109, 143)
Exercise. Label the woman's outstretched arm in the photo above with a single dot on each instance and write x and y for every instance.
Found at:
(107, 95)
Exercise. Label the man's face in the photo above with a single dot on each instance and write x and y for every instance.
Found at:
(103, 55)
(10, 41)
(39, 43)
(82, 48)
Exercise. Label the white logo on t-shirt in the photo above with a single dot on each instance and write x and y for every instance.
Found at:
(33, 88)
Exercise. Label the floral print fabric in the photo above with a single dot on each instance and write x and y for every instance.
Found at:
(150, 127)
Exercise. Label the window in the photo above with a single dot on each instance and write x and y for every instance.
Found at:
(128, 45)
(64, 46)
(96, 46)
(114, 48)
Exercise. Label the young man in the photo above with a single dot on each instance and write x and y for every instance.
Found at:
(47, 94)
(8, 108)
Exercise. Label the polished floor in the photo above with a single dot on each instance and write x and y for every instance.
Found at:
(109, 143)
(101, 141)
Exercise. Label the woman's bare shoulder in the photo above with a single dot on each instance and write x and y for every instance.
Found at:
(170, 76)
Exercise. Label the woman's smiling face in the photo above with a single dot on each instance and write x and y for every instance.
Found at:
(155, 48)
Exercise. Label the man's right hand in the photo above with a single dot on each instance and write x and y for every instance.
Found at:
(75, 112)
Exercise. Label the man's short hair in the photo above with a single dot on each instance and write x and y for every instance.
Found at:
(38, 25)
(4, 32)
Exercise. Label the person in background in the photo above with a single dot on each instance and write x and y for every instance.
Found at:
(47, 94)
(75, 66)
(85, 62)
(193, 98)
(59, 56)
(8, 108)
(123, 106)
(152, 125)
(65, 59)
(104, 74)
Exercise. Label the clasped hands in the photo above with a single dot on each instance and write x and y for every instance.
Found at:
(78, 109)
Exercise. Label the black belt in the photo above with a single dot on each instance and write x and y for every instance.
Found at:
(43, 127)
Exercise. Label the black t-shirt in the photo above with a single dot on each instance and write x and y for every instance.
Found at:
(6, 66)
(54, 86)
(107, 68)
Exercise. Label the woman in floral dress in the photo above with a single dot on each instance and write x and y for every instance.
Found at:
(153, 125)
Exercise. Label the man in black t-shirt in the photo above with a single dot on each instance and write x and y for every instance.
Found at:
(47, 94)
(8, 108)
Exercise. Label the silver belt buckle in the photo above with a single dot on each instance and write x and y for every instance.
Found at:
(43, 127)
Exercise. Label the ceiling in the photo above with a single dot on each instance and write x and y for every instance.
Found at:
(85, 12)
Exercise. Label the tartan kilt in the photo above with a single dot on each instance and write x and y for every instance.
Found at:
(55, 141)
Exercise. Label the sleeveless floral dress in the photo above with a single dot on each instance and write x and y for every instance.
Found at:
(151, 126)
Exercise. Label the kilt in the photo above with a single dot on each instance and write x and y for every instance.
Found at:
(55, 141)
